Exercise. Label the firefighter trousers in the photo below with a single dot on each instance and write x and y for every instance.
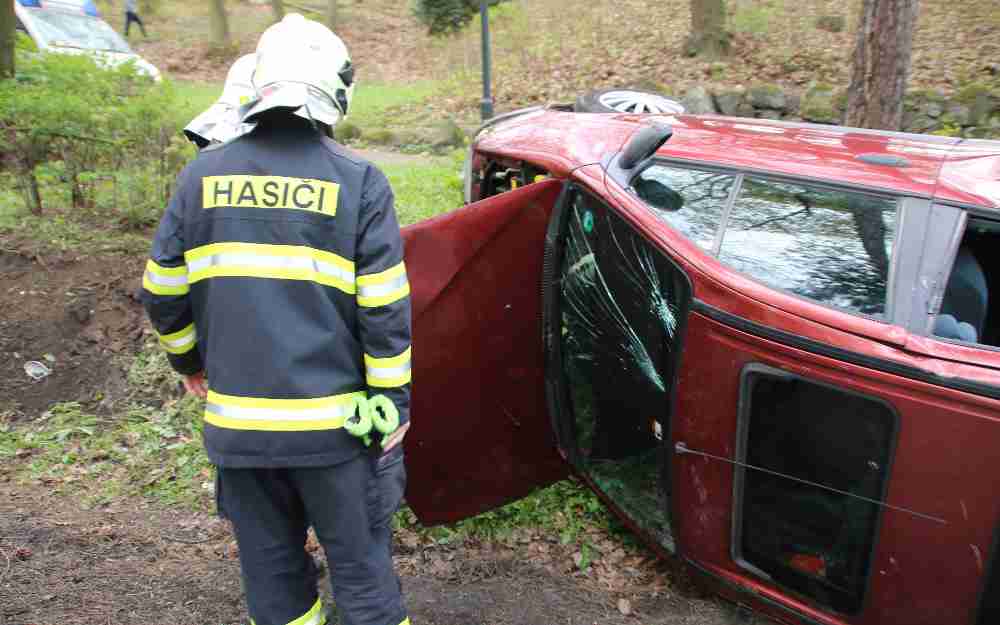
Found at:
(350, 506)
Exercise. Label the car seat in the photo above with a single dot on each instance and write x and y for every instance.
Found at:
(963, 309)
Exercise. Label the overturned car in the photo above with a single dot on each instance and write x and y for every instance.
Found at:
(771, 348)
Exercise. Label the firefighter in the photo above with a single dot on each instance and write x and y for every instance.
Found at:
(221, 122)
(277, 287)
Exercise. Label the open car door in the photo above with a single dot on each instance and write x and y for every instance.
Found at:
(481, 433)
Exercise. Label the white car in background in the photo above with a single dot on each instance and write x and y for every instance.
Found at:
(76, 27)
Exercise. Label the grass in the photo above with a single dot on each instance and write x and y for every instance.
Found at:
(156, 452)
(374, 104)
(138, 450)
(423, 191)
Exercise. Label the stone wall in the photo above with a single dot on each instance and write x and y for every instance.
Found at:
(973, 111)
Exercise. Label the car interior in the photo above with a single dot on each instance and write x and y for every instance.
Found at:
(805, 515)
(966, 313)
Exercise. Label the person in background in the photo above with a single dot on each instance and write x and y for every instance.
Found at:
(132, 15)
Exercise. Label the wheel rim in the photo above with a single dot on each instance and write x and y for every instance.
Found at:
(638, 102)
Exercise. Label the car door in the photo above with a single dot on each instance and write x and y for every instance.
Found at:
(481, 433)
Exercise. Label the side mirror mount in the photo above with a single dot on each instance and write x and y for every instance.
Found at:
(644, 144)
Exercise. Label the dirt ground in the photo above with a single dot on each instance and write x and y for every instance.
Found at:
(134, 560)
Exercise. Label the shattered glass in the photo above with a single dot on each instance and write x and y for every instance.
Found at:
(620, 302)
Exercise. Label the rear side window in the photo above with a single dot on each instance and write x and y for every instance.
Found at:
(809, 494)
(831, 246)
(690, 200)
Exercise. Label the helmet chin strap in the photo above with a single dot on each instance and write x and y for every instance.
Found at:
(326, 129)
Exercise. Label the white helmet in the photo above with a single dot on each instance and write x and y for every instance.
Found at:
(221, 121)
(302, 66)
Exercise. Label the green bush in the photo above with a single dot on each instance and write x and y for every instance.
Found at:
(443, 17)
(446, 17)
(98, 123)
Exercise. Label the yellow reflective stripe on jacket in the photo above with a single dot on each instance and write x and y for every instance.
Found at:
(314, 616)
(180, 342)
(386, 287)
(307, 194)
(160, 280)
(279, 415)
(261, 260)
(388, 372)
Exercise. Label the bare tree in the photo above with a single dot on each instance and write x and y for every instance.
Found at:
(279, 10)
(7, 38)
(219, 24)
(881, 63)
(708, 37)
(331, 14)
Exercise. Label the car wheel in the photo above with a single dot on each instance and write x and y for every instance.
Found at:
(626, 101)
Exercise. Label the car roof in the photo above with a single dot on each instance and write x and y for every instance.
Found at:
(947, 168)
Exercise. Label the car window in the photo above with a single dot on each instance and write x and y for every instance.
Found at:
(691, 201)
(968, 313)
(831, 246)
(73, 30)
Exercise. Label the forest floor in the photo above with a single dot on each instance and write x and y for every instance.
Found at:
(544, 53)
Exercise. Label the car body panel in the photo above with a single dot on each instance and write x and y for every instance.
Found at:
(481, 433)
(562, 141)
(929, 477)
(557, 141)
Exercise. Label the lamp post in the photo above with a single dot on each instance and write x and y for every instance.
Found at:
(486, 105)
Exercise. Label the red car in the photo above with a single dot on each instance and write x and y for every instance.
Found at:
(771, 348)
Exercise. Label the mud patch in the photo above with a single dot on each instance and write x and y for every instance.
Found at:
(74, 315)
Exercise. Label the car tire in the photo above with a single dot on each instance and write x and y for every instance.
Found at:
(626, 101)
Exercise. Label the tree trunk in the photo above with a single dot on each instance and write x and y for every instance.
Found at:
(881, 64)
(279, 10)
(7, 38)
(331, 14)
(219, 23)
(708, 36)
